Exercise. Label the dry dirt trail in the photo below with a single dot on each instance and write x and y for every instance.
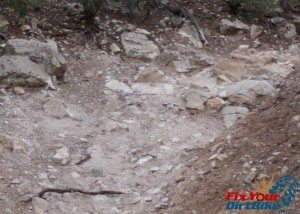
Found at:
(128, 125)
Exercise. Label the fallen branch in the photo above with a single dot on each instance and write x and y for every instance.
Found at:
(72, 190)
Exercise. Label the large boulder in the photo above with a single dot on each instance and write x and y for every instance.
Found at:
(246, 92)
(137, 45)
(42, 53)
(21, 71)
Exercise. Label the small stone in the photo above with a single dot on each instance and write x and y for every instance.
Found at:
(148, 199)
(276, 153)
(19, 90)
(255, 31)
(154, 190)
(144, 160)
(175, 140)
(284, 170)
(246, 165)
(15, 181)
(154, 169)
(62, 156)
(214, 164)
(115, 48)
(75, 175)
(83, 140)
(43, 176)
(25, 28)
(215, 103)
(250, 177)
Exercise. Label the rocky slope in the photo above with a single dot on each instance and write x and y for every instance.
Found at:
(132, 117)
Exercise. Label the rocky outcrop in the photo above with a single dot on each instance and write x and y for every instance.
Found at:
(44, 54)
(21, 71)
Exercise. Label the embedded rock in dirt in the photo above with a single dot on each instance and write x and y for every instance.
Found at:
(248, 91)
(137, 45)
(12, 144)
(149, 74)
(232, 113)
(255, 31)
(277, 69)
(203, 80)
(62, 156)
(189, 31)
(118, 86)
(20, 71)
(215, 103)
(288, 31)
(231, 68)
(195, 100)
(60, 109)
(41, 53)
(229, 27)
(189, 63)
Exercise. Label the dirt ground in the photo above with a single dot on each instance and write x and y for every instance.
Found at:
(140, 144)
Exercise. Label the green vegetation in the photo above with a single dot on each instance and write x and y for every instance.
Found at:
(252, 8)
(22, 6)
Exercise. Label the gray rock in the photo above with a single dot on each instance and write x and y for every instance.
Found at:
(75, 9)
(118, 86)
(42, 53)
(195, 100)
(189, 31)
(137, 45)
(277, 20)
(255, 31)
(62, 156)
(3, 23)
(248, 91)
(114, 48)
(229, 27)
(59, 109)
(288, 31)
(189, 63)
(232, 113)
(40, 206)
(250, 177)
(20, 71)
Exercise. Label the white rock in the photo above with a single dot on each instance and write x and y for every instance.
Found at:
(139, 46)
(118, 86)
(62, 156)
(143, 160)
(255, 31)
(229, 27)
(232, 113)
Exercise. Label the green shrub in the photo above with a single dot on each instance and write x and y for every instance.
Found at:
(255, 8)
(91, 8)
(21, 6)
